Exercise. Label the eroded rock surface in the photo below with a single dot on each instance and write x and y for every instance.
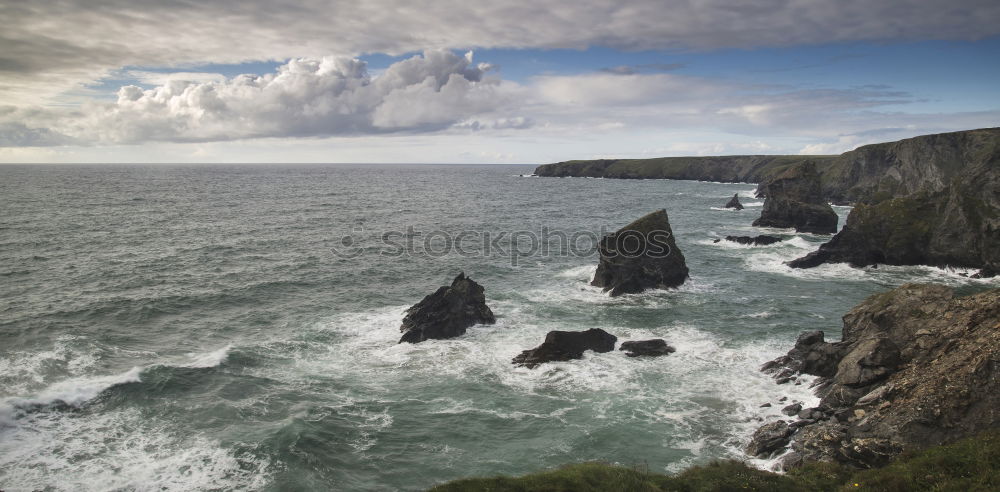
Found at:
(448, 312)
(916, 367)
(640, 256)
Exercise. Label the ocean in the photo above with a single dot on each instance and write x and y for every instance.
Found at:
(235, 327)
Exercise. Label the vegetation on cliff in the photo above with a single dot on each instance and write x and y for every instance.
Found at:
(966, 465)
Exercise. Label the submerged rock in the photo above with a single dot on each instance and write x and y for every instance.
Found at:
(762, 240)
(654, 347)
(448, 312)
(566, 345)
(916, 367)
(734, 202)
(640, 256)
(795, 199)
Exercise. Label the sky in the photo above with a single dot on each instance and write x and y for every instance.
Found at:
(500, 81)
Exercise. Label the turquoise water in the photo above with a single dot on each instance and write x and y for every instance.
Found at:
(202, 327)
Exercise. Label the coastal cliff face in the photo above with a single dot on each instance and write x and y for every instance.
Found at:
(916, 367)
(870, 174)
(924, 164)
(725, 169)
(953, 219)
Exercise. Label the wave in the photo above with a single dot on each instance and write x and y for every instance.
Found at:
(208, 359)
(77, 391)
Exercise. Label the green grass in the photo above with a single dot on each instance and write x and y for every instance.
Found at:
(968, 465)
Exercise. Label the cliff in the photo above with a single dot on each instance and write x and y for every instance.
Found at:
(924, 212)
(870, 173)
(915, 367)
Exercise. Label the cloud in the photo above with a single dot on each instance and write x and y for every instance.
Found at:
(442, 93)
(162, 78)
(51, 46)
(645, 67)
(303, 98)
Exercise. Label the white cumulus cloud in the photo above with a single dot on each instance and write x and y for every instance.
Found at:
(305, 97)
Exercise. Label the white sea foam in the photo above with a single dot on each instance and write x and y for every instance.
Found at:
(119, 450)
(23, 371)
(208, 359)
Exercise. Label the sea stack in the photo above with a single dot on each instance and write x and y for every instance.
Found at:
(566, 345)
(448, 312)
(640, 256)
(794, 198)
(734, 202)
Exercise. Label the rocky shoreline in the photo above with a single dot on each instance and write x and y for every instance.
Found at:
(916, 367)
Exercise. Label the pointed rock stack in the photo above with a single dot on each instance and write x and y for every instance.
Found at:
(640, 256)
(735, 202)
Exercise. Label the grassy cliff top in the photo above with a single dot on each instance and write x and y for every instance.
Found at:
(966, 465)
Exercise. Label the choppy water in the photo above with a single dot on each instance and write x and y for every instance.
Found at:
(191, 328)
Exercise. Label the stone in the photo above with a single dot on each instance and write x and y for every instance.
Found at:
(792, 410)
(654, 347)
(642, 255)
(769, 438)
(448, 312)
(762, 240)
(734, 202)
(566, 345)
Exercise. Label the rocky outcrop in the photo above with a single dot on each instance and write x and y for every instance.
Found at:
(654, 348)
(566, 345)
(734, 202)
(762, 240)
(448, 312)
(640, 256)
(794, 199)
(959, 227)
(916, 367)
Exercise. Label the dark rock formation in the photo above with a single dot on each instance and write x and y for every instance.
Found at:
(447, 313)
(770, 438)
(916, 368)
(762, 240)
(640, 256)
(654, 347)
(795, 199)
(566, 345)
(956, 227)
(792, 410)
(735, 202)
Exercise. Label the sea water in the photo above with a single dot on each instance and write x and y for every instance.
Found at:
(236, 327)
